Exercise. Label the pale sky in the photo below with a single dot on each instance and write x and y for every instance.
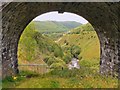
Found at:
(55, 16)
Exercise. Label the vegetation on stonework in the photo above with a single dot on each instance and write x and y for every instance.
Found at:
(55, 44)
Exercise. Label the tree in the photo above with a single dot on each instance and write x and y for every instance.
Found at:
(67, 58)
(75, 51)
(58, 51)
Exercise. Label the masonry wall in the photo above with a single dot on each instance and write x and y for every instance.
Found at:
(103, 17)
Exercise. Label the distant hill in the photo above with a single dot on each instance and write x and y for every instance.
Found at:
(69, 24)
(55, 26)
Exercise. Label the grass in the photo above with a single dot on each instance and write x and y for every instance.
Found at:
(83, 78)
(90, 47)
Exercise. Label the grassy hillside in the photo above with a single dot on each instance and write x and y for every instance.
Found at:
(69, 24)
(34, 46)
(86, 38)
(54, 26)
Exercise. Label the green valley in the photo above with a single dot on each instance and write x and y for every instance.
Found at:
(56, 44)
(86, 38)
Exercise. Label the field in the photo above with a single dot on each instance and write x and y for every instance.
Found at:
(83, 78)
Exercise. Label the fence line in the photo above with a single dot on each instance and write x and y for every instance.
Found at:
(38, 68)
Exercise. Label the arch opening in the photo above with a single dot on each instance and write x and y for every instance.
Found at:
(58, 27)
(83, 33)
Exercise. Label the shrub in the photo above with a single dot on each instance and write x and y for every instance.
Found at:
(67, 58)
(75, 51)
(65, 73)
(50, 60)
(58, 66)
(58, 60)
(58, 51)
(50, 48)
(46, 59)
(79, 57)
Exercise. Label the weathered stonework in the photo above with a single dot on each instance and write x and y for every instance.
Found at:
(103, 17)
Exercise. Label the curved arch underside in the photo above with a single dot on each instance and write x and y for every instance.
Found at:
(103, 17)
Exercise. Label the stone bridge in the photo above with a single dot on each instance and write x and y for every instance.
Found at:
(103, 17)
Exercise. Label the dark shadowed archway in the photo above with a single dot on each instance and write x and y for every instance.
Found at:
(103, 17)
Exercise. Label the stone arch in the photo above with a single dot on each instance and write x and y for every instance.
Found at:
(102, 16)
